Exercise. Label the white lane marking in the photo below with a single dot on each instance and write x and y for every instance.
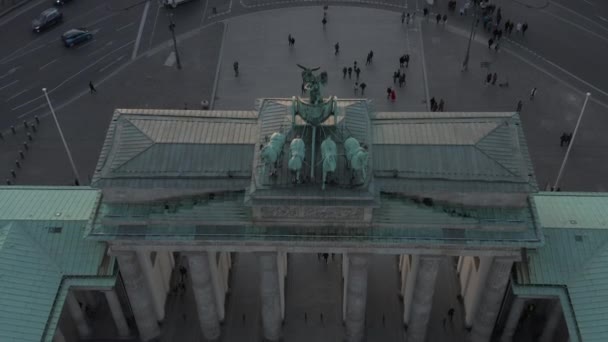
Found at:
(31, 111)
(154, 26)
(85, 44)
(101, 48)
(577, 26)
(589, 2)
(8, 85)
(76, 74)
(101, 19)
(49, 63)
(20, 12)
(141, 30)
(19, 93)
(10, 72)
(578, 14)
(602, 18)
(112, 63)
(7, 59)
(124, 27)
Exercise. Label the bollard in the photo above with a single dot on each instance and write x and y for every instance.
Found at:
(214, 10)
(25, 146)
(17, 163)
(36, 118)
(34, 128)
(13, 129)
(13, 173)
(25, 124)
(76, 182)
(21, 154)
(8, 182)
(29, 136)
(1, 136)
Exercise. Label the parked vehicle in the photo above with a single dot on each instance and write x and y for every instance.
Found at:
(76, 36)
(46, 19)
(174, 3)
(61, 2)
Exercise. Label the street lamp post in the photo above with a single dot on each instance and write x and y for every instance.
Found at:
(172, 29)
(578, 122)
(465, 63)
(65, 144)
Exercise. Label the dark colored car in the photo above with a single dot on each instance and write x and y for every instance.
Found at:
(46, 19)
(76, 36)
(61, 2)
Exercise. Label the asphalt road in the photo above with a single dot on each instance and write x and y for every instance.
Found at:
(30, 61)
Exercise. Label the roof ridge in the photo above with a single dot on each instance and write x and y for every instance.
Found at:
(599, 250)
(40, 248)
(131, 157)
(491, 132)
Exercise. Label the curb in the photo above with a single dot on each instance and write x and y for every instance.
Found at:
(14, 7)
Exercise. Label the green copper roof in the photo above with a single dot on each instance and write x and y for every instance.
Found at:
(41, 245)
(575, 256)
(47, 203)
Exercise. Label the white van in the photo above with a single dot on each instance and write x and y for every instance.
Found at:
(174, 3)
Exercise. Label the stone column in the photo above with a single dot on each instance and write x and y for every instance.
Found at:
(58, 336)
(422, 301)
(356, 297)
(517, 307)
(78, 316)
(270, 295)
(156, 286)
(408, 294)
(204, 294)
(552, 322)
(344, 285)
(217, 286)
(491, 299)
(139, 294)
(117, 314)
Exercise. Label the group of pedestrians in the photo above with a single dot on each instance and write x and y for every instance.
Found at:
(437, 107)
(406, 18)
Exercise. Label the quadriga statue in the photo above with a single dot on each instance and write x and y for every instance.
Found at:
(329, 153)
(356, 156)
(297, 151)
(271, 153)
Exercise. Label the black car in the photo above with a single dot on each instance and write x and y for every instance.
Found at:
(76, 36)
(61, 2)
(46, 19)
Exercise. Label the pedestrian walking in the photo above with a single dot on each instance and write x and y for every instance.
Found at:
(433, 104)
(519, 106)
(324, 21)
(403, 17)
(350, 72)
(494, 78)
(488, 78)
(344, 70)
(425, 13)
(507, 24)
(445, 19)
(524, 28)
(326, 257)
(362, 85)
(518, 27)
(368, 60)
(532, 94)
(401, 61)
(568, 138)
(337, 48)
(371, 55)
(407, 18)
(562, 139)
(235, 66)
(354, 65)
(395, 77)
(92, 87)
(401, 80)
(293, 41)
(499, 34)
(356, 88)
(289, 39)
(440, 105)
(357, 72)
(407, 60)
(438, 18)
(490, 42)
(393, 95)
(511, 25)
(451, 315)
(388, 92)
(496, 46)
